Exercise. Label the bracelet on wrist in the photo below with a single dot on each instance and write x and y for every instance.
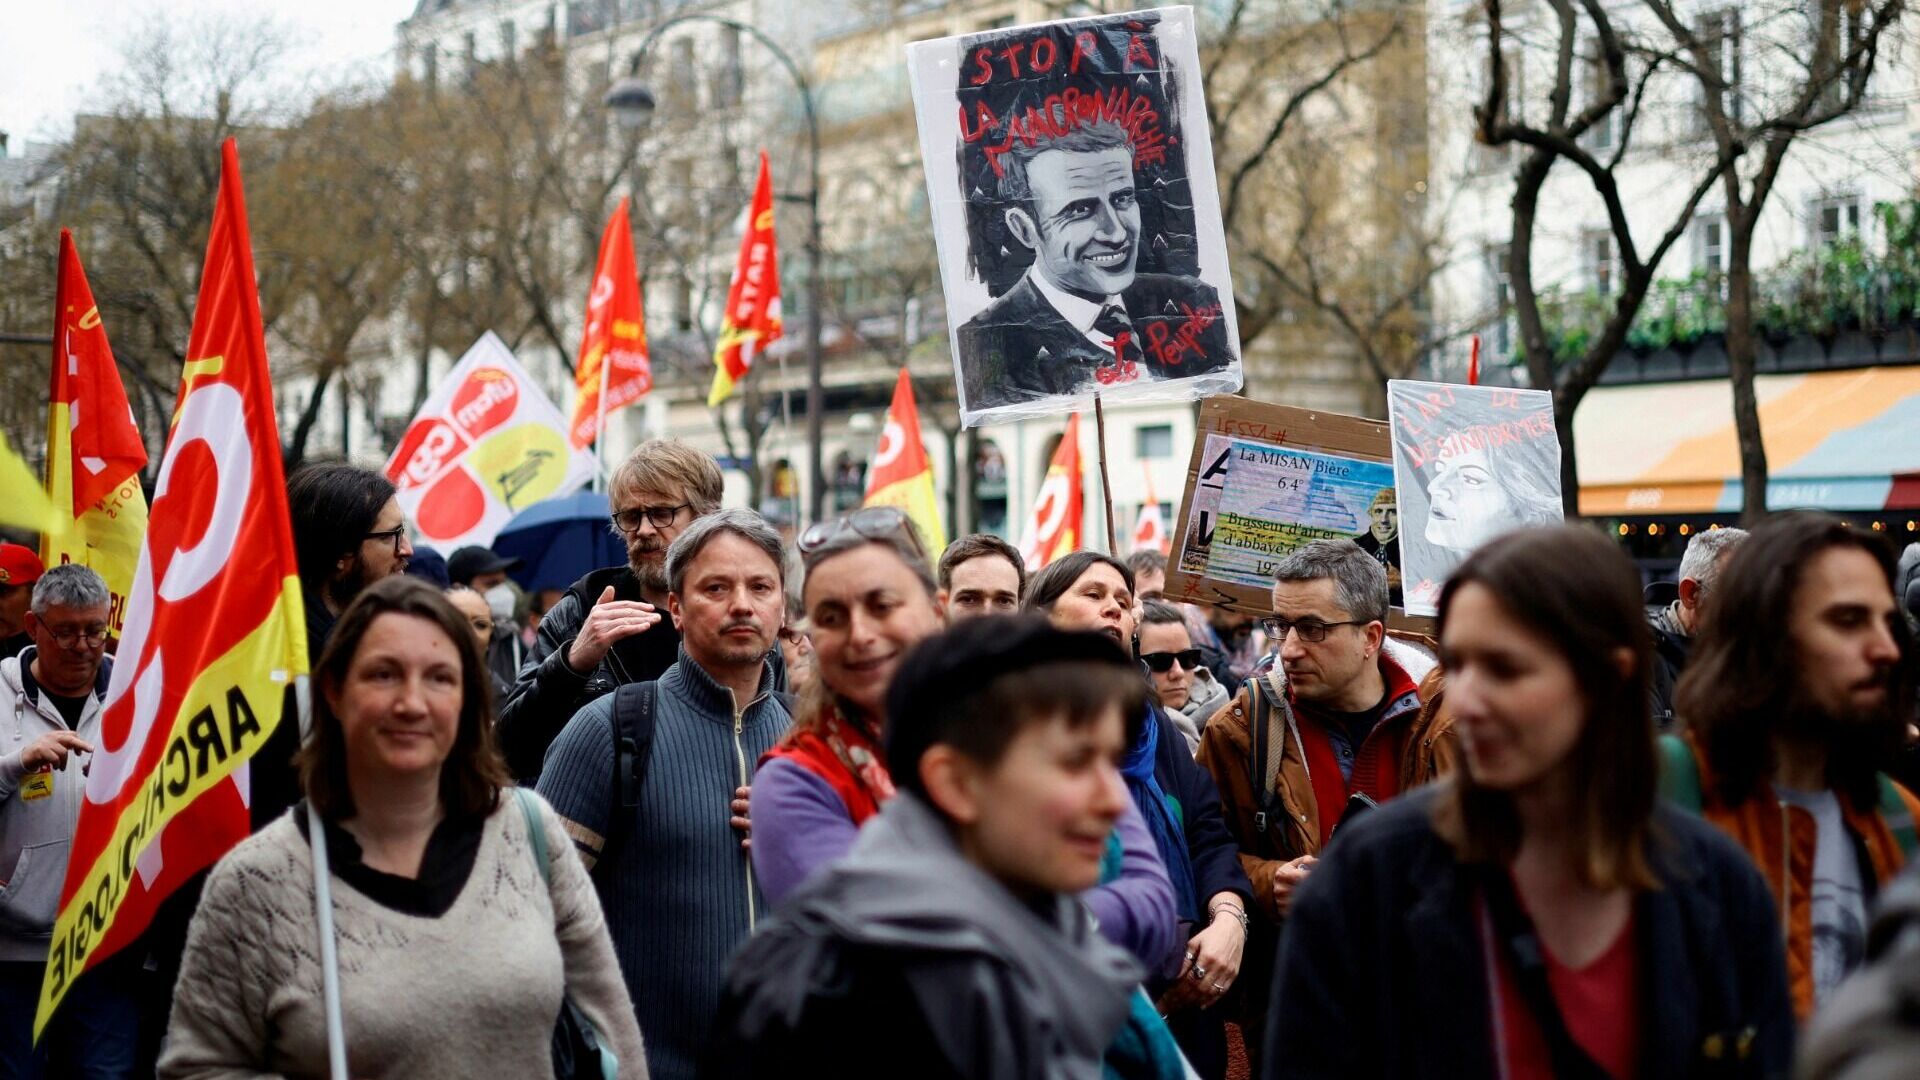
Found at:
(1240, 916)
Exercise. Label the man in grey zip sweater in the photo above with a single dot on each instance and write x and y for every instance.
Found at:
(672, 871)
(50, 701)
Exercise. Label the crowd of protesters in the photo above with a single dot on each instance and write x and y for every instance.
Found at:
(841, 805)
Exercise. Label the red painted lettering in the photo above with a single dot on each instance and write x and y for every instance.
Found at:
(1036, 62)
(1012, 55)
(1137, 54)
(983, 69)
(1083, 45)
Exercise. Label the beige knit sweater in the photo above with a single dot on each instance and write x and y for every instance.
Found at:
(473, 993)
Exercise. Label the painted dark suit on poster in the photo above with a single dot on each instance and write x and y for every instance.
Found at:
(1076, 215)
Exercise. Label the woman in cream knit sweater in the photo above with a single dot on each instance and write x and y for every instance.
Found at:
(454, 949)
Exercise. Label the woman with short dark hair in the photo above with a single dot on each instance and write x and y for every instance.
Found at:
(455, 944)
(1538, 914)
(1086, 590)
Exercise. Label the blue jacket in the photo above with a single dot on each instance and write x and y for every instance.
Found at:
(677, 887)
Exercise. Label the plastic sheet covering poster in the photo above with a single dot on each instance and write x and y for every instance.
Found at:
(1070, 179)
(1265, 479)
(1471, 462)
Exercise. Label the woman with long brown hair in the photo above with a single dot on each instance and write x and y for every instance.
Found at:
(1539, 914)
(457, 942)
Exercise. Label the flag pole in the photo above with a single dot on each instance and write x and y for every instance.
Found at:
(1106, 481)
(600, 424)
(323, 908)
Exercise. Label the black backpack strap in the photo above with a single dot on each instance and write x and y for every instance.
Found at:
(1267, 809)
(633, 725)
(1516, 939)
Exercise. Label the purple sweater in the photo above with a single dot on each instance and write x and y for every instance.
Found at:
(800, 825)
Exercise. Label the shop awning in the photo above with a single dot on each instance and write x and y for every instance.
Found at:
(1837, 440)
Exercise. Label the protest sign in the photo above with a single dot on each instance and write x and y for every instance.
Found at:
(487, 445)
(1265, 479)
(1070, 178)
(1470, 462)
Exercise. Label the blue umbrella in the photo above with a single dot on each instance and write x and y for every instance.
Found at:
(558, 541)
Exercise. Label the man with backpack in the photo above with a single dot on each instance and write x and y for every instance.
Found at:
(1334, 727)
(611, 628)
(1797, 694)
(643, 780)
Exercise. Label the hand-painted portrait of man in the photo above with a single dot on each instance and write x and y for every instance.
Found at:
(1076, 214)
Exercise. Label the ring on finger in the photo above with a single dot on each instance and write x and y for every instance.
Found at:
(1199, 973)
(1220, 987)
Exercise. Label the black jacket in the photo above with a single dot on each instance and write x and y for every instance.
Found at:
(1020, 349)
(1670, 649)
(1382, 971)
(548, 692)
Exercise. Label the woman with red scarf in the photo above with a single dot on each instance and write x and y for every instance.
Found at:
(869, 597)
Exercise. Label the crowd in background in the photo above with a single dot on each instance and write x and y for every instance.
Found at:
(752, 805)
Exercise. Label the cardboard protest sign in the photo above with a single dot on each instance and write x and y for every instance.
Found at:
(1070, 176)
(487, 445)
(1470, 462)
(1265, 479)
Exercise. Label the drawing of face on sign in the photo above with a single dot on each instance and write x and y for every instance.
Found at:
(1470, 463)
(1076, 216)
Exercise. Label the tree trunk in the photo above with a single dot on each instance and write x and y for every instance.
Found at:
(1741, 348)
(296, 448)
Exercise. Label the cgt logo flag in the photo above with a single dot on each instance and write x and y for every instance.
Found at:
(94, 451)
(1054, 528)
(214, 631)
(901, 475)
(487, 445)
(752, 319)
(613, 350)
(1150, 532)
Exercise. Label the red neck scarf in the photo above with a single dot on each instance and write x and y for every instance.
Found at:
(846, 754)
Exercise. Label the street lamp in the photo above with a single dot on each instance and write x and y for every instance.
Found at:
(633, 103)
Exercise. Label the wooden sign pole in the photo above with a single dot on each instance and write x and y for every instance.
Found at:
(1106, 478)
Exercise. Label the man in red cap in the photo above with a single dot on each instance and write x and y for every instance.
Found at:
(19, 569)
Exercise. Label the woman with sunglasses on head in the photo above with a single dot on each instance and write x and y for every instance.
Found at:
(869, 598)
(1188, 691)
(1086, 590)
(1538, 913)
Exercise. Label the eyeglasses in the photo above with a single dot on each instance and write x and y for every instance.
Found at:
(872, 522)
(94, 636)
(793, 635)
(392, 536)
(1162, 662)
(627, 522)
(485, 626)
(1312, 630)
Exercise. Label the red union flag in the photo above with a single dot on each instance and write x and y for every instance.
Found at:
(1054, 528)
(214, 632)
(752, 319)
(900, 474)
(613, 349)
(1149, 532)
(94, 452)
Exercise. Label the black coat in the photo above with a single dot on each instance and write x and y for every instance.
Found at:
(1020, 349)
(1382, 973)
(547, 692)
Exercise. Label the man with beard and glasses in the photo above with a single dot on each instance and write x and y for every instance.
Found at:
(1797, 694)
(667, 855)
(610, 627)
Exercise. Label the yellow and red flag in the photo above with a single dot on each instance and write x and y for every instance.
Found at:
(1054, 528)
(1150, 532)
(214, 632)
(613, 349)
(752, 319)
(94, 451)
(901, 475)
(26, 505)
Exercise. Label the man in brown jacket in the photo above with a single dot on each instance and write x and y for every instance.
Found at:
(1336, 725)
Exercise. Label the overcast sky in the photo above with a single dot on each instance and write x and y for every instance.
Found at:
(54, 54)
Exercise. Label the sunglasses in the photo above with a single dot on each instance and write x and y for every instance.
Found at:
(871, 522)
(1161, 662)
